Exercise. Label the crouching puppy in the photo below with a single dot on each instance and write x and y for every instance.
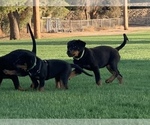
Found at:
(95, 58)
(41, 70)
(7, 63)
(8, 68)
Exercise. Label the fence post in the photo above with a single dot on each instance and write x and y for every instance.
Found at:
(71, 26)
(56, 30)
(101, 22)
(125, 15)
(47, 25)
(110, 22)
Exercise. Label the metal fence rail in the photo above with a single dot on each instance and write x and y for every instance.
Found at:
(57, 25)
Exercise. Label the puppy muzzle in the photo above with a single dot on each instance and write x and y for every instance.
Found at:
(69, 53)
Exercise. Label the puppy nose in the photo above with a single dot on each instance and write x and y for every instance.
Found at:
(68, 51)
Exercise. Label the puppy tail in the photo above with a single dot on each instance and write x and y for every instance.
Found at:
(33, 39)
(79, 68)
(123, 43)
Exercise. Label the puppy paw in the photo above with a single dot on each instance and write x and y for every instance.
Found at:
(108, 81)
(66, 87)
(111, 79)
(41, 89)
(99, 83)
(58, 85)
(32, 86)
(20, 89)
(120, 79)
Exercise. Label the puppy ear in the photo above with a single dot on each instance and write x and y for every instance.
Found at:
(81, 43)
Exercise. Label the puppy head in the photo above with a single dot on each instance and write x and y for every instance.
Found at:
(74, 47)
(25, 62)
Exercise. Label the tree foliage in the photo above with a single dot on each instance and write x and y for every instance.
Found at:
(24, 15)
(54, 12)
(95, 9)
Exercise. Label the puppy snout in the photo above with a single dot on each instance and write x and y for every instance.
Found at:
(69, 53)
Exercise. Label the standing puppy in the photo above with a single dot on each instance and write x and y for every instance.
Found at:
(41, 70)
(95, 58)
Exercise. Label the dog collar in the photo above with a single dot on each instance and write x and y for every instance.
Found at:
(33, 65)
(80, 56)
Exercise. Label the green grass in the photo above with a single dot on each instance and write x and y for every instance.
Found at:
(84, 99)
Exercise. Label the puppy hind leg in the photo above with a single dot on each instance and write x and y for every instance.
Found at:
(1, 79)
(64, 81)
(119, 76)
(110, 79)
(113, 70)
(110, 70)
(58, 83)
(64, 76)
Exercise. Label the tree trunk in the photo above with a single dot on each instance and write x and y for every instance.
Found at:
(14, 26)
(87, 12)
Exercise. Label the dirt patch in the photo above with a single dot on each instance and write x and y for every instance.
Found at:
(87, 32)
(92, 32)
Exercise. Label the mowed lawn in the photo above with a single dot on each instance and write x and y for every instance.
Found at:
(83, 99)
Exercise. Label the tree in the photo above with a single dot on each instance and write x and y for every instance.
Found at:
(12, 10)
(13, 17)
(23, 16)
(14, 27)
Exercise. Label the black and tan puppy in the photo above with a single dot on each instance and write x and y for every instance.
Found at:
(7, 62)
(95, 58)
(41, 70)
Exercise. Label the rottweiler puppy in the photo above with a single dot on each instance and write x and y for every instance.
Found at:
(95, 58)
(8, 62)
(41, 70)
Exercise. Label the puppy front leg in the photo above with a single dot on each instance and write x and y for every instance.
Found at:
(97, 76)
(35, 83)
(16, 83)
(42, 83)
(73, 74)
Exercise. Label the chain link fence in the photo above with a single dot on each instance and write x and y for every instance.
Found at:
(57, 25)
(139, 21)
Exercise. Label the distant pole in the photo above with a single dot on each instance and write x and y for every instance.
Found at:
(125, 12)
(36, 19)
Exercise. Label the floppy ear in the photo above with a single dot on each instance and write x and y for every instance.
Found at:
(81, 43)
